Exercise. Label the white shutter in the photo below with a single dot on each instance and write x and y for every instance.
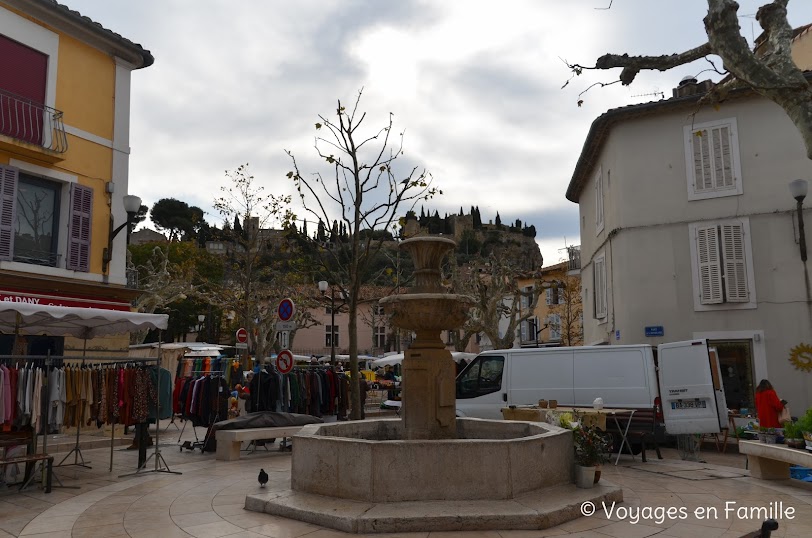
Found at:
(703, 180)
(710, 273)
(722, 159)
(561, 298)
(525, 331)
(734, 262)
(549, 294)
(600, 287)
(554, 322)
(713, 159)
(599, 201)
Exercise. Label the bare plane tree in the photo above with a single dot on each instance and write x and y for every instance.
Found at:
(367, 191)
(771, 72)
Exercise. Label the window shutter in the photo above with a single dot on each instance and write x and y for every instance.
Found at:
(554, 323)
(723, 162)
(549, 295)
(734, 262)
(8, 195)
(713, 159)
(561, 298)
(703, 180)
(81, 209)
(600, 288)
(710, 273)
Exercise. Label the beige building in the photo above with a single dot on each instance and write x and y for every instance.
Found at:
(688, 230)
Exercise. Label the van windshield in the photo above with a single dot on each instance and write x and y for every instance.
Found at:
(482, 376)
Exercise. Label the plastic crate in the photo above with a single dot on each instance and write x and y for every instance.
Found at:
(800, 473)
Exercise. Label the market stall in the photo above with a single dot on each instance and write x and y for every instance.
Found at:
(24, 319)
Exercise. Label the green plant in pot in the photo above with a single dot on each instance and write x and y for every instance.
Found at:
(591, 450)
(793, 436)
(767, 435)
(805, 424)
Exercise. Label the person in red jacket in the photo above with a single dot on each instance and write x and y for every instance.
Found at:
(768, 406)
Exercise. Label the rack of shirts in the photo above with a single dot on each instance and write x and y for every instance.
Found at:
(201, 400)
(228, 367)
(312, 390)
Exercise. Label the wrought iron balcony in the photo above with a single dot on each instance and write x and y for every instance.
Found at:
(574, 255)
(32, 122)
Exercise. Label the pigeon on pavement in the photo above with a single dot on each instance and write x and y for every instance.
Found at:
(263, 478)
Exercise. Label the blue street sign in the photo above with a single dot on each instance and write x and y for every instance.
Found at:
(286, 309)
(655, 330)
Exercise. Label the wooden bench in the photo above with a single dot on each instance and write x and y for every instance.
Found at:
(772, 462)
(642, 429)
(230, 441)
(33, 458)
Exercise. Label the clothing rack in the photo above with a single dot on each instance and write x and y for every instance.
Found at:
(160, 463)
(197, 443)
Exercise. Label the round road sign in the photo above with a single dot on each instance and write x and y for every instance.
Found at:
(286, 309)
(242, 335)
(284, 361)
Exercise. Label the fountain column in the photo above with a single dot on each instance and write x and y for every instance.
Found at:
(429, 391)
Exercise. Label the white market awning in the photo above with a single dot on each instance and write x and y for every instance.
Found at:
(35, 319)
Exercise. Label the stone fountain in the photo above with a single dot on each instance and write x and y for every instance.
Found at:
(430, 471)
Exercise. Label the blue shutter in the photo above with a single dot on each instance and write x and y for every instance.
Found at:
(8, 194)
(81, 210)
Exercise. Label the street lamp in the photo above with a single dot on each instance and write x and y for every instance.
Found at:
(797, 189)
(323, 285)
(131, 205)
(200, 319)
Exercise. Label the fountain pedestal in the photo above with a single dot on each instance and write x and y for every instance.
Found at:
(428, 390)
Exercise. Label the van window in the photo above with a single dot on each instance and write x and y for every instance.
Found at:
(482, 376)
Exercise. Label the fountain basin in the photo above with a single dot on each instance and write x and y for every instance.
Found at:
(428, 311)
(371, 461)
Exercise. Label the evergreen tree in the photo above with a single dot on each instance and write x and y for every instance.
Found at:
(321, 233)
(238, 231)
(498, 221)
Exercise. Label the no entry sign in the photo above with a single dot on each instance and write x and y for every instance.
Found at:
(242, 335)
(284, 361)
(286, 309)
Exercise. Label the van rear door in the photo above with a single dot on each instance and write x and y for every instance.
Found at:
(691, 388)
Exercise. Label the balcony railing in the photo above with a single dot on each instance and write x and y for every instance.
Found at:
(32, 122)
(574, 258)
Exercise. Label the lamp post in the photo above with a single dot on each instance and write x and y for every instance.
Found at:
(323, 285)
(200, 319)
(131, 205)
(798, 189)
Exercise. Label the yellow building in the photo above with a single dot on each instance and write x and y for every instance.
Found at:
(64, 159)
(558, 313)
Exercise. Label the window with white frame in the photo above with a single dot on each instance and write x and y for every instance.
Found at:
(599, 286)
(599, 201)
(331, 335)
(722, 262)
(554, 324)
(554, 296)
(379, 337)
(377, 310)
(712, 159)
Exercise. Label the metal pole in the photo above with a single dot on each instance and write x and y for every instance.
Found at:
(801, 235)
(332, 325)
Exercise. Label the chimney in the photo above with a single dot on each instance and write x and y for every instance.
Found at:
(689, 86)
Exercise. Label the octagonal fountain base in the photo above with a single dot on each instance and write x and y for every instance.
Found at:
(363, 477)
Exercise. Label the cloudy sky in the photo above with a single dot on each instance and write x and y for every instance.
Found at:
(475, 85)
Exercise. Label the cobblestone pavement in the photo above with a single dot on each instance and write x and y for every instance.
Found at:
(207, 500)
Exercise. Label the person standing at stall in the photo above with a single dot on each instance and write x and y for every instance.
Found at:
(768, 406)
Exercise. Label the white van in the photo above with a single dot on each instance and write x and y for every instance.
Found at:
(623, 376)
